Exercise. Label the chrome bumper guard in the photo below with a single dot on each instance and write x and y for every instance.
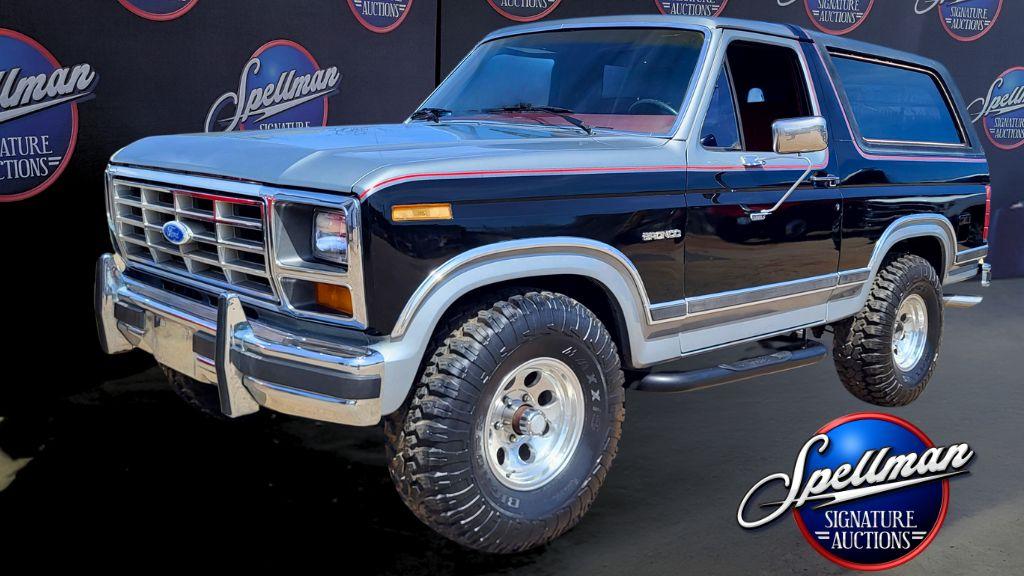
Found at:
(252, 364)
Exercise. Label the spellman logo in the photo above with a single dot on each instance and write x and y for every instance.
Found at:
(381, 16)
(524, 10)
(707, 8)
(281, 86)
(835, 16)
(38, 114)
(159, 9)
(965, 20)
(868, 491)
(1001, 111)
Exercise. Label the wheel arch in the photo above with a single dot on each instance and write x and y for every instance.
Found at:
(596, 274)
(586, 290)
(930, 236)
(930, 247)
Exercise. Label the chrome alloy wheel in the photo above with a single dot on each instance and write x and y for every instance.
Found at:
(534, 423)
(910, 332)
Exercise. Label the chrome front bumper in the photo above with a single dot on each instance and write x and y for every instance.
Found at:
(252, 363)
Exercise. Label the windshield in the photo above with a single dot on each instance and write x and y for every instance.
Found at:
(631, 79)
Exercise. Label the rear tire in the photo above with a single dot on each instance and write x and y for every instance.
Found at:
(446, 450)
(886, 354)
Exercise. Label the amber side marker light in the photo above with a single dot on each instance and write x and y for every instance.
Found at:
(415, 212)
(335, 297)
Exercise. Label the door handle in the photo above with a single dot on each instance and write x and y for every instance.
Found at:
(825, 181)
(752, 161)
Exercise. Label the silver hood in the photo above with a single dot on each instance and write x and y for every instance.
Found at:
(346, 159)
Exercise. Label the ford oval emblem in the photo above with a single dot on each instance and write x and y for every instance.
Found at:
(177, 233)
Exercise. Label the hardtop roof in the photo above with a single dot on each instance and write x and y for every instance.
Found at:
(775, 29)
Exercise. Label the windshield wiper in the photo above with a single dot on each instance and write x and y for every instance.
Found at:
(431, 114)
(563, 113)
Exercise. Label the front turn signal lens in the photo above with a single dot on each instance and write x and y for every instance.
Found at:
(334, 297)
(419, 212)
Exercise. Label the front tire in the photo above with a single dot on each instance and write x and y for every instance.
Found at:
(514, 425)
(886, 354)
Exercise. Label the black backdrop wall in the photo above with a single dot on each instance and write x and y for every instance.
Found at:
(142, 67)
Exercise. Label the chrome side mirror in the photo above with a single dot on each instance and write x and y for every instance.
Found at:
(799, 135)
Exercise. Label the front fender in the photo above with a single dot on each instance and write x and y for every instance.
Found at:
(503, 261)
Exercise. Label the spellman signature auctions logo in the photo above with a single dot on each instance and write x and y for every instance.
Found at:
(1001, 111)
(38, 114)
(965, 20)
(835, 16)
(159, 9)
(868, 491)
(706, 8)
(381, 16)
(524, 10)
(281, 86)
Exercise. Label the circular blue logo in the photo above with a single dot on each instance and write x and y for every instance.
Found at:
(38, 114)
(159, 10)
(1001, 111)
(524, 10)
(705, 8)
(868, 491)
(177, 233)
(281, 86)
(879, 530)
(838, 16)
(380, 16)
(968, 20)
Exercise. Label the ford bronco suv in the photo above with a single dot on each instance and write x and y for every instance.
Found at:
(577, 205)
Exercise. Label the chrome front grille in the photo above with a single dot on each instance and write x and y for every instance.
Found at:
(229, 242)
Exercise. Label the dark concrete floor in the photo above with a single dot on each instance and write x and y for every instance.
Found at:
(126, 461)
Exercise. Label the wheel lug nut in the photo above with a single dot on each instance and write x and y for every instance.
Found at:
(512, 438)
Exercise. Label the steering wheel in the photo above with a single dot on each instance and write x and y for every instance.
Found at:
(654, 103)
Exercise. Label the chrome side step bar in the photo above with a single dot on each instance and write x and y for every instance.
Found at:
(959, 301)
(804, 353)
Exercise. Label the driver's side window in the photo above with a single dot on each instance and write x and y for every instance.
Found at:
(721, 127)
(757, 85)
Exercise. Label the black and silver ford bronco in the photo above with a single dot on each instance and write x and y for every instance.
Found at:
(579, 202)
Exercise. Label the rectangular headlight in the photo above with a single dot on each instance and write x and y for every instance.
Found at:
(330, 235)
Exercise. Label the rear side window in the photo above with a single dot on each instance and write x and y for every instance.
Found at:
(894, 104)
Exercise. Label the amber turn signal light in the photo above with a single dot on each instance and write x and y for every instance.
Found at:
(335, 297)
(414, 212)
